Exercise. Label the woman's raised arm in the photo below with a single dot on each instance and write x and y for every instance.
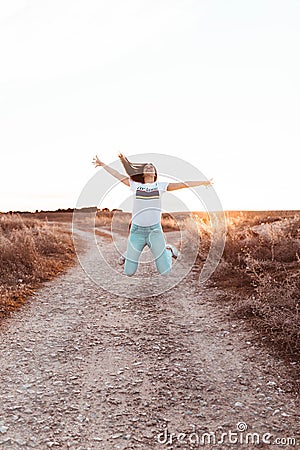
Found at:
(113, 172)
(188, 184)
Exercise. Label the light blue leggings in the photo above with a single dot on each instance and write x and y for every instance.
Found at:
(152, 236)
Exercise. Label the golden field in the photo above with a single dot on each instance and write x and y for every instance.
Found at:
(31, 251)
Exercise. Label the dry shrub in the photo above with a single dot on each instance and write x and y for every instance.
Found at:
(228, 276)
(11, 222)
(170, 222)
(31, 251)
(260, 270)
(264, 242)
(103, 218)
(274, 308)
(205, 234)
(198, 233)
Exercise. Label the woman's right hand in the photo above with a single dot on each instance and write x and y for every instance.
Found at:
(97, 162)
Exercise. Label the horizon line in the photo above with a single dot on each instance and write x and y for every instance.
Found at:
(65, 210)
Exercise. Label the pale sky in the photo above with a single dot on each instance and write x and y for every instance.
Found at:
(213, 82)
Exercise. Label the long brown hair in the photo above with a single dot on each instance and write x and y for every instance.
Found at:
(135, 170)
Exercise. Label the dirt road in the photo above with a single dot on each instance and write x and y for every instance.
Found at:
(82, 368)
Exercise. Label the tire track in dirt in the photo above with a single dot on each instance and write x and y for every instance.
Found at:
(82, 368)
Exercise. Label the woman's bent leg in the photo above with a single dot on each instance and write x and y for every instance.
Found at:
(163, 257)
(136, 243)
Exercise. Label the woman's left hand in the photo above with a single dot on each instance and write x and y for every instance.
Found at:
(97, 162)
(209, 183)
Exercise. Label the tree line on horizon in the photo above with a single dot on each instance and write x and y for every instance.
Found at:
(65, 210)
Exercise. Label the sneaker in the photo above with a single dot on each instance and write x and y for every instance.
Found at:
(175, 252)
(121, 260)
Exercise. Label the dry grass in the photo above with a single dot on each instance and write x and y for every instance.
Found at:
(260, 276)
(31, 251)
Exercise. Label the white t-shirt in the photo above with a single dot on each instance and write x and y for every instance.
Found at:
(147, 202)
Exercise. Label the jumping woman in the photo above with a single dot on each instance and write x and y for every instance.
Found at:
(146, 228)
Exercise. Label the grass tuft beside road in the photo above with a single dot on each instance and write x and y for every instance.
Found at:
(31, 251)
(259, 275)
